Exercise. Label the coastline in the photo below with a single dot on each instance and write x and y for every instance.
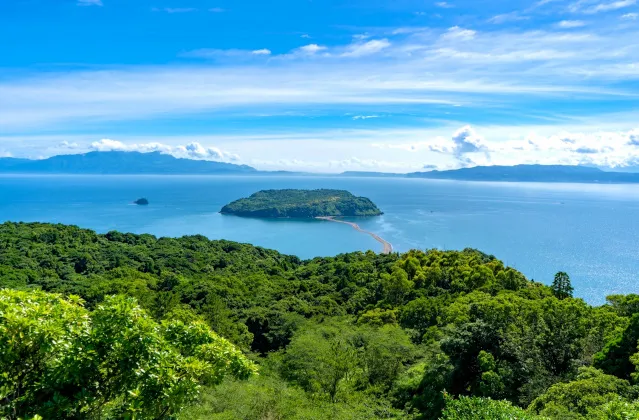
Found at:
(387, 247)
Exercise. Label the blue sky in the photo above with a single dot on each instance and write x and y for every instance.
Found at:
(324, 86)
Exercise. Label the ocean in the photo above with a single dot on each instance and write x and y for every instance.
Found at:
(589, 231)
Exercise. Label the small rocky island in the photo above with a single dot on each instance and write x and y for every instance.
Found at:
(302, 204)
(141, 202)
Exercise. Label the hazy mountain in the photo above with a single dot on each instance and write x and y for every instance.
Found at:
(119, 163)
(532, 173)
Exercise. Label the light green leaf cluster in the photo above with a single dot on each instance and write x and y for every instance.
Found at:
(60, 360)
(467, 408)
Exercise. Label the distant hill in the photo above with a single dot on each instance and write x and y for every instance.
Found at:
(120, 163)
(532, 173)
(301, 204)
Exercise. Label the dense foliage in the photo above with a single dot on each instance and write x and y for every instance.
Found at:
(302, 204)
(436, 334)
(60, 361)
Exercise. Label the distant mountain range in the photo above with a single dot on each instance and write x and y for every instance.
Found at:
(518, 173)
(120, 163)
(131, 163)
(532, 173)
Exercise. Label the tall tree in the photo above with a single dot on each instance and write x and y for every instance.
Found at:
(561, 286)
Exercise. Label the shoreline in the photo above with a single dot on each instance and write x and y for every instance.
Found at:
(387, 247)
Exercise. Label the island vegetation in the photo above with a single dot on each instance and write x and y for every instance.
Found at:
(302, 204)
(141, 202)
(133, 326)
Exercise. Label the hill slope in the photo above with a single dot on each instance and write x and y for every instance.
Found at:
(531, 173)
(356, 336)
(119, 163)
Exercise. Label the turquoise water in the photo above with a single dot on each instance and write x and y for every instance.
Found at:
(589, 231)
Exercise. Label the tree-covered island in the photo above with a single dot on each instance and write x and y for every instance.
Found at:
(302, 204)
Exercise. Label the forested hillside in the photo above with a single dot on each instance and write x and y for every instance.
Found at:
(426, 335)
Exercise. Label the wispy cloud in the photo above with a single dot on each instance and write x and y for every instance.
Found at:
(544, 2)
(594, 6)
(214, 53)
(262, 51)
(309, 49)
(630, 16)
(508, 17)
(364, 117)
(570, 24)
(89, 3)
(457, 33)
(216, 10)
(366, 48)
(456, 69)
(444, 5)
(175, 9)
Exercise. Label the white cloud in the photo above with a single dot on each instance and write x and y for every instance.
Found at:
(175, 9)
(459, 33)
(466, 140)
(410, 70)
(213, 53)
(612, 149)
(366, 48)
(192, 150)
(263, 51)
(391, 149)
(593, 7)
(310, 49)
(68, 145)
(508, 17)
(569, 24)
(106, 145)
(630, 16)
(364, 117)
(89, 3)
(544, 2)
(444, 5)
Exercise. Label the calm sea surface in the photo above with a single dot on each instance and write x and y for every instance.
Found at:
(589, 231)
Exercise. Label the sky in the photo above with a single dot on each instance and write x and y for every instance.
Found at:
(324, 85)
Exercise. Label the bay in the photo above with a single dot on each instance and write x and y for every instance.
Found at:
(590, 231)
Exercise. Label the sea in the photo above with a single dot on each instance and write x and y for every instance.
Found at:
(590, 231)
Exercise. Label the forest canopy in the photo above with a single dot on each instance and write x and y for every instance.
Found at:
(423, 335)
(301, 204)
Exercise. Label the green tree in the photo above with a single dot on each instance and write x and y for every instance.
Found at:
(466, 408)
(59, 360)
(582, 398)
(561, 286)
(396, 286)
(614, 358)
(334, 359)
(321, 361)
